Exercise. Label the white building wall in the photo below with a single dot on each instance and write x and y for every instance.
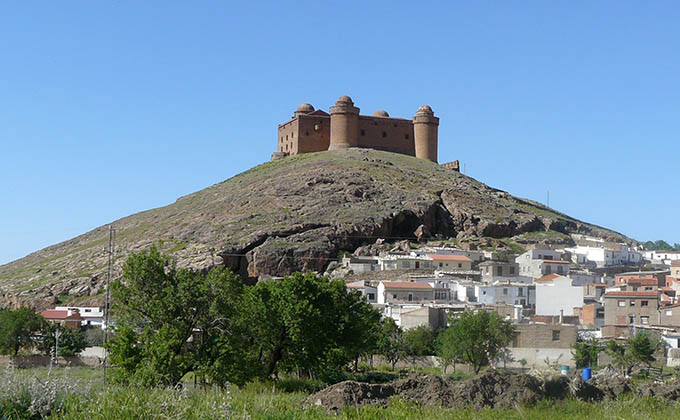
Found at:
(558, 295)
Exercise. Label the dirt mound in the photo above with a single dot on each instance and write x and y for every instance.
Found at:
(498, 389)
(668, 391)
(426, 389)
(352, 394)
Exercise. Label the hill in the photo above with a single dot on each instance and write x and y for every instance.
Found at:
(295, 214)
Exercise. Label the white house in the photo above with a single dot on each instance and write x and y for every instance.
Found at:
(92, 315)
(662, 257)
(556, 295)
(607, 255)
(506, 292)
(369, 292)
(539, 262)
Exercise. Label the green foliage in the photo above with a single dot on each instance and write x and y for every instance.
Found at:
(475, 338)
(173, 321)
(391, 342)
(661, 245)
(71, 342)
(585, 353)
(419, 341)
(94, 336)
(642, 347)
(639, 349)
(309, 324)
(18, 330)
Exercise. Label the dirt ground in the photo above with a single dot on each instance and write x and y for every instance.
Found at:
(492, 388)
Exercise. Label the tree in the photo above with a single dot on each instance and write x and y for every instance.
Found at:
(476, 338)
(308, 324)
(639, 349)
(174, 321)
(642, 347)
(18, 330)
(71, 342)
(391, 342)
(419, 341)
(586, 352)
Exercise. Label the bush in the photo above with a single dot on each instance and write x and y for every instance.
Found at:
(94, 337)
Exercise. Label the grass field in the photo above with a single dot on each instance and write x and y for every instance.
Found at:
(79, 393)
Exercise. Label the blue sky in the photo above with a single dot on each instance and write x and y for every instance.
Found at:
(108, 108)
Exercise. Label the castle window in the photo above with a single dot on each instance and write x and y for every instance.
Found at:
(292, 135)
(306, 133)
(286, 136)
(406, 136)
(317, 127)
(384, 134)
(395, 125)
(363, 132)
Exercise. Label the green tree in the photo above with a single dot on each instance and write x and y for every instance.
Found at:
(641, 348)
(308, 324)
(18, 330)
(637, 350)
(585, 353)
(174, 321)
(71, 342)
(476, 338)
(391, 342)
(419, 341)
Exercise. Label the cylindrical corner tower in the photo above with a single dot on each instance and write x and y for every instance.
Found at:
(425, 132)
(344, 124)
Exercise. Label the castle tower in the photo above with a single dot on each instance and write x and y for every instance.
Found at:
(303, 109)
(344, 124)
(425, 132)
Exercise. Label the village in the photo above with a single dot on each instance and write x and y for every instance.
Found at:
(555, 296)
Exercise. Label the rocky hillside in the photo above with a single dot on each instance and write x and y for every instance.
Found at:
(294, 214)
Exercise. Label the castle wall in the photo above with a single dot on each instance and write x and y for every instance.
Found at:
(314, 133)
(388, 134)
(288, 137)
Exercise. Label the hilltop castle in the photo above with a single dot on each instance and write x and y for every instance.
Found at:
(313, 130)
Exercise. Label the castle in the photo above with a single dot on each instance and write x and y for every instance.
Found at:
(313, 130)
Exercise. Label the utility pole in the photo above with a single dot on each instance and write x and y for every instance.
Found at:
(548, 200)
(57, 334)
(108, 299)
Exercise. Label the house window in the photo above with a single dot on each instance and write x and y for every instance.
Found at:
(632, 302)
(410, 297)
(649, 288)
(484, 292)
(363, 132)
(669, 312)
(394, 295)
(371, 296)
(644, 320)
(635, 289)
(622, 303)
(556, 335)
(441, 265)
(460, 265)
(405, 264)
(644, 303)
(505, 291)
(520, 292)
(512, 270)
(631, 319)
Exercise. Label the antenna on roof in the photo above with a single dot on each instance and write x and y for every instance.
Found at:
(548, 199)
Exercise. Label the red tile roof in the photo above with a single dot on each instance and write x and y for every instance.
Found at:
(54, 314)
(405, 285)
(629, 293)
(548, 278)
(449, 257)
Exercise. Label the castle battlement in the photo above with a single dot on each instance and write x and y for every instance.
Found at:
(313, 130)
